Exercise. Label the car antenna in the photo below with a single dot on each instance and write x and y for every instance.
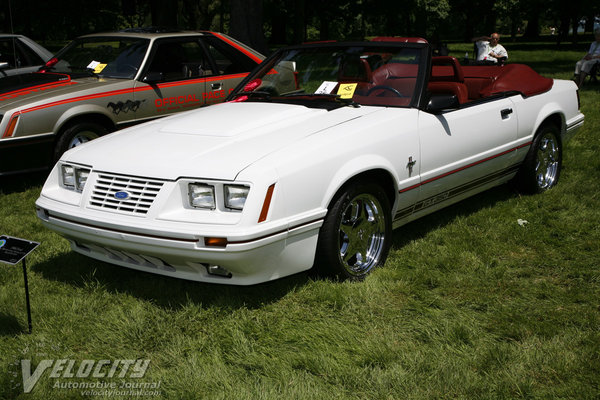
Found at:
(12, 32)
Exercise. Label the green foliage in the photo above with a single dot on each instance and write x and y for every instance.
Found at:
(294, 21)
(438, 9)
(470, 304)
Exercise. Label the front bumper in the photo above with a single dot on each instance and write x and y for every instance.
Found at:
(27, 154)
(251, 256)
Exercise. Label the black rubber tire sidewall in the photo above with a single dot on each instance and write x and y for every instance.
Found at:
(526, 177)
(65, 138)
(327, 261)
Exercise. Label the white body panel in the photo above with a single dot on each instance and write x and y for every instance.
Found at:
(308, 155)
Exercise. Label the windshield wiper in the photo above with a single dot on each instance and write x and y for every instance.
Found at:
(91, 72)
(86, 70)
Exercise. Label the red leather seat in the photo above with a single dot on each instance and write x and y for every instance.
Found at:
(459, 89)
(447, 77)
(355, 70)
(399, 76)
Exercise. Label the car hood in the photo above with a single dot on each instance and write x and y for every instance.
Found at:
(215, 142)
(17, 82)
(24, 90)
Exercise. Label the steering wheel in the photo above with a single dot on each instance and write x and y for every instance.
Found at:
(384, 87)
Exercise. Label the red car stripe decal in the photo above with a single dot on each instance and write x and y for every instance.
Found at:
(435, 178)
(21, 92)
(237, 46)
(133, 90)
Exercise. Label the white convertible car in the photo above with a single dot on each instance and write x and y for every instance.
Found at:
(315, 158)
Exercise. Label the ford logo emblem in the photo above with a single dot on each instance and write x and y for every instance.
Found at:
(122, 195)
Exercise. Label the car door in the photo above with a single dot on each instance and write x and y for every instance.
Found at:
(466, 149)
(174, 77)
(231, 66)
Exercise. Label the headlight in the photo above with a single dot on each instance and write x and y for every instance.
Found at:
(74, 177)
(235, 196)
(81, 176)
(201, 195)
(68, 176)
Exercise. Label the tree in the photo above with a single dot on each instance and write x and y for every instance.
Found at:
(164, 14)
(246, 23)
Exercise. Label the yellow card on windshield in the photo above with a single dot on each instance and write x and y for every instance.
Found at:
(346, 90)
(99, 68)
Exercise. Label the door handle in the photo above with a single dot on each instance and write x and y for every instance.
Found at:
(216, 86)
(506, 112)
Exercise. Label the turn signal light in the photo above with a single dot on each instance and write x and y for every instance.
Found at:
(11, 126)
(215, 242)
(267, 203)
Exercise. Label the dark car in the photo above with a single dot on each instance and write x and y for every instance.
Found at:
(20, 55)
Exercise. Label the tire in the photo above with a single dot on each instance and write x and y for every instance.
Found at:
(356, 234)
(541, 169)
(77, 134)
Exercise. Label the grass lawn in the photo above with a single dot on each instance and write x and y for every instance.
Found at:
(469, 305)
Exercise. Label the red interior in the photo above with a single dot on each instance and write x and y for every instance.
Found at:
(484, 81)
(394, 83)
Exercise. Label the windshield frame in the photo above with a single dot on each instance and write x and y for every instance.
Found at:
(87, 72)
(424, 65)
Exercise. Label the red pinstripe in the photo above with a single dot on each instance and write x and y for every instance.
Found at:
(435, 178)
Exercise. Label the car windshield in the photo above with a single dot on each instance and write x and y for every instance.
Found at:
(370, 74)
(110, 57)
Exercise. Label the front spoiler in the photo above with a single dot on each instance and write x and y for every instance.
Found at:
(264, 258)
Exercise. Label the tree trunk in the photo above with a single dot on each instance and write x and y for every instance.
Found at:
(164, 14)
(574, 26)
(533, 27)
(278, 23)
(324, 27)
(246, 23)
(563, 30)
(299, 21)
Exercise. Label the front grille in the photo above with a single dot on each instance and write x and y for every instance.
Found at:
(141, 193)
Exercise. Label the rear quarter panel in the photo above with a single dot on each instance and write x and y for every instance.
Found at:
(559, 103)
(532, 111)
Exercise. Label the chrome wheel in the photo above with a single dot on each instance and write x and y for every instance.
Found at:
(362, 232)
(547, 161)
(540, 170)
(82, 137)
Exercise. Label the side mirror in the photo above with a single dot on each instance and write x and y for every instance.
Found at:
(152, 77)
(4, 65)
(440, 102)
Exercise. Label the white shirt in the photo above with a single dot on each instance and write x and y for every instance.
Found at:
(485, 49)
(594, 49)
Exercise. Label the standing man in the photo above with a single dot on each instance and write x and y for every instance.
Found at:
(489, 48)
(584, 66)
